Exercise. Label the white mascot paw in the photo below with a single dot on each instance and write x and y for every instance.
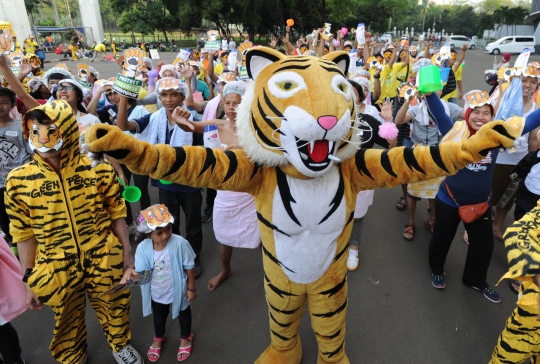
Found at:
(95, 158)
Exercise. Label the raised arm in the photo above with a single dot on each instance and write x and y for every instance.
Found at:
(192, 166)
(122, 117)
(15, 84)
(461, 57)
(444, 123)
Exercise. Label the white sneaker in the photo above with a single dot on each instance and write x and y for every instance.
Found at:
(352, 260)
(128, 355)
(132, 228)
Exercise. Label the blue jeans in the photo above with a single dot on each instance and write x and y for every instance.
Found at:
(453, 100)
(407, 142)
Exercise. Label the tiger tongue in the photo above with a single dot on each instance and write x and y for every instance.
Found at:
(320, 150)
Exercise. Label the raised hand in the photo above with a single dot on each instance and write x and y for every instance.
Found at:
(180, 116)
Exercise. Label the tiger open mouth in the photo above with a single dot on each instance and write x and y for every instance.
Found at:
(316, 154)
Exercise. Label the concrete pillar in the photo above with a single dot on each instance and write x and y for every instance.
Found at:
(91, 18)
(14, 11)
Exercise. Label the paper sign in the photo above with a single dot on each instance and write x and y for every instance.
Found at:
(212, 35)
(523, 58)
(360, 34)
(242, 73)
(127, 86)
(232, 63)
(15, 58)
(326, 31)
(144, 278)
(445, 52)
(133, 60)
(352, 64)
(178, 63)
(212, 45)
(154, 54)
(184, 54)
(6, 41)
(83, 70)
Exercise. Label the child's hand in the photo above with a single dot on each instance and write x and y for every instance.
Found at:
(191, 295)
(130, 274)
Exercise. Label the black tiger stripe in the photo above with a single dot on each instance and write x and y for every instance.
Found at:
(387, 166)
(345, 143)
(436, 156)
(209, 161)
(351, 218)
(296, 59)
(284, 312)
(269, 224)
(256, 167)
(233, 165)
(285, 193)
(360, 161)
(332, 313)
(333, 336)
(411, 161)
(280, 336)
(270, 105)
(178, 163)
(274, 259)
(340, 253)
(277, 322)
(338, 197)
(292, 67)
(260, 133)
(335, 352)
(333, 69)
(332, 291)
(510, 349)
(281, 293)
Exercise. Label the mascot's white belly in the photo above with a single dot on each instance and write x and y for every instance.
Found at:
(310, 247)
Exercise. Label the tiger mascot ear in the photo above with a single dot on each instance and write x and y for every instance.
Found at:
(342, 60)
(259, 58)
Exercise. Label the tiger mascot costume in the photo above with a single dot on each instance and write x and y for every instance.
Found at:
(302, 163)
(520, 339)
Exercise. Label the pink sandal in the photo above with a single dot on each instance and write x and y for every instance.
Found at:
(156, 352)
(186, 350)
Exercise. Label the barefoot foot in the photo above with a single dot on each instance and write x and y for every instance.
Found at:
(215, 281)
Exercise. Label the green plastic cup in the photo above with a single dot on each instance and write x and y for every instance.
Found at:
(165, 182)
(131, 194)
(429, 79)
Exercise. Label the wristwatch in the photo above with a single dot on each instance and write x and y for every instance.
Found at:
(27, 274)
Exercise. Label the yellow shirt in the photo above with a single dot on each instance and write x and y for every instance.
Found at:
(17, 46)
(30, 46)
(100, 48)
(389, 80)
(455, 93)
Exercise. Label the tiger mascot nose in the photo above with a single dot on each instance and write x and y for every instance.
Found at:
(327, 122)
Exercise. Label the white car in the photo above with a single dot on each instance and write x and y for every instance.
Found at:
(457, 41)
(511, 44)
(387, 37)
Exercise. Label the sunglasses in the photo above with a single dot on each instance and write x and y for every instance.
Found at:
(65, 88)
(225, 57)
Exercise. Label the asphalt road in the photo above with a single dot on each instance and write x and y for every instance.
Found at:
(394, 314)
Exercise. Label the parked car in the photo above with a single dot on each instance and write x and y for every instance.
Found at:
(511, 44)
(386, 37)
(457, 41)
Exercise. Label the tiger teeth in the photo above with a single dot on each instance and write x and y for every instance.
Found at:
(330, 146)
(304, 157)
(311, 145)
(334, 158)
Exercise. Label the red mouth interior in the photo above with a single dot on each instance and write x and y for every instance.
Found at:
(320, 150)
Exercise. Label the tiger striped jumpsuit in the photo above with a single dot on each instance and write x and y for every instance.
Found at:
(77, 252)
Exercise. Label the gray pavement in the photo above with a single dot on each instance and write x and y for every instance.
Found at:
(394, 314)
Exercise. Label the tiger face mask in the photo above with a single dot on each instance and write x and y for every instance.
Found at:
(44, 138)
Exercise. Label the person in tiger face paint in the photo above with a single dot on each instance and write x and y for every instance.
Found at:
(68, 222)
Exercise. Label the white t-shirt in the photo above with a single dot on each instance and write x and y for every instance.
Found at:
(85, 122)
(162, 285)
(522, 149)
(232, 45)
(224, 45)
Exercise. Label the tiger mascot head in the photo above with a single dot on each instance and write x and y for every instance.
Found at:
(298, 113)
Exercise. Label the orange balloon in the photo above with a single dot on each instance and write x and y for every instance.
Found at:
(290, 22)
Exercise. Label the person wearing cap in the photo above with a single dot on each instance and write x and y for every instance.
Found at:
(38, 90)
(244, 232)
(31, 65)
(223, 64)
(30, 45)
(456, 71)
(159, 127)
(469, 186)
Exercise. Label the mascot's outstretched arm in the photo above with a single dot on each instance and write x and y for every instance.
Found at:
(192, 166)
(375, 168)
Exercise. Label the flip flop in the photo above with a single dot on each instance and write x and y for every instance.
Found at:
(186, 350)
(409, 230)
(401, 204)
(430, 224)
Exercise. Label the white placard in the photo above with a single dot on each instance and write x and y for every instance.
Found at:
(352, 64)
(212, 45)
(360, 34)
(184, 54)
(154, 54)
(523, 58)
(232, 59)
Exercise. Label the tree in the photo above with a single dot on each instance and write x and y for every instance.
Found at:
(435, 13)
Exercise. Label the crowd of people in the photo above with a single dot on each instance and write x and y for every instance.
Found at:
(66, 221)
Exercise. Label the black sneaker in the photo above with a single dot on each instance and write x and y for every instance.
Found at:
(207, 213)
(437, 281)
(489, 293)
(197, 270)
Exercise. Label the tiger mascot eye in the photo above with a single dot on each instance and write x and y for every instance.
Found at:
(302, 162)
